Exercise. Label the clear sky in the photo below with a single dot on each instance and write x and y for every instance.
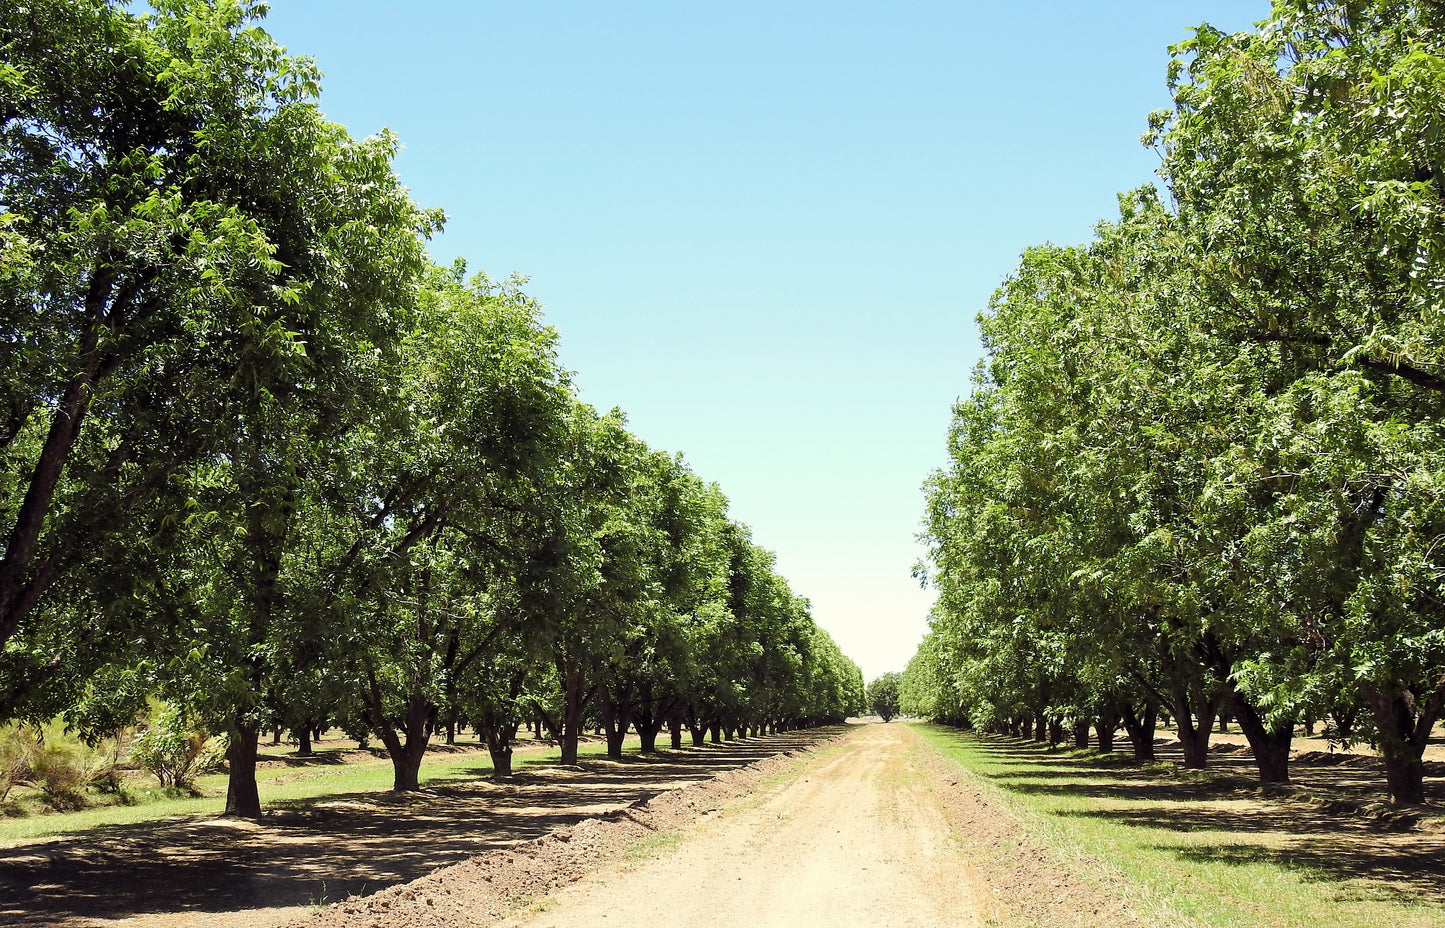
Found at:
(764, 229)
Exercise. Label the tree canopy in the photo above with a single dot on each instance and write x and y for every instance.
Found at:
(1198, 469)
(260, 457)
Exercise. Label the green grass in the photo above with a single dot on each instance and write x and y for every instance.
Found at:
(279, 786)
(1200, 850)
(652, 845)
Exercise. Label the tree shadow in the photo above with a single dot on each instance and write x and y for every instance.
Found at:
(1330, 824)
(324, 850)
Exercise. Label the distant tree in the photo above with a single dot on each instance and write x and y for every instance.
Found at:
(883, 695)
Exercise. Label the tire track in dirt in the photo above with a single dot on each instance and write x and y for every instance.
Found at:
(859, 838)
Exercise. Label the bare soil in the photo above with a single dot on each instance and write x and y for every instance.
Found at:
(224, 873)
(870, 829)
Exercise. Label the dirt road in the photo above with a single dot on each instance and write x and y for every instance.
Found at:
(859, 838)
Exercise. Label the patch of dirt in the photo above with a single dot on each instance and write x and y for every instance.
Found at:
(486, 888)
(221, 873)
(854, 836)
(873, 829)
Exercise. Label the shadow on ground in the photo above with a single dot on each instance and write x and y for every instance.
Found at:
(1330, 824)
(327, 850)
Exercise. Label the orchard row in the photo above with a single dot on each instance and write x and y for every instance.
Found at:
(1202, 470)
(261, 459)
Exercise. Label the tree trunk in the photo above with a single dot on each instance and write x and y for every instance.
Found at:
(1402, 737)
(1041, 728)
(1141, 729)
(1270, 745)
(574, 701)
(304, 737)
(1191, 704)
(616, 719)
(1056, 730)
(1344, 719)
(715, 729)
(20, 589)
(501, 760)
(1081, 733)
(649, 723)
(406, 756)
(674, 727)
(1104, 730)
(243, 800)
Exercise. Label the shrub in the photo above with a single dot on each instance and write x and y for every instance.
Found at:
(17, 751)
(175, 749)
(59, 771)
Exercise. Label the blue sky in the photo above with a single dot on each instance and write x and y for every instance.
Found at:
(764, 229)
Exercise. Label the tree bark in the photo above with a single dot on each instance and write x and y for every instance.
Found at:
(574, 701)
(1140, 728)
(1270, 745)
(1190, 704)
(243, 800)
(1081, 733)
(1104, 727)
(616, 718)
(406, 756)
(1404, 724)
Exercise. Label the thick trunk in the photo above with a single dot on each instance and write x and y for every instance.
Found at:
(499, 731)
(1404, 726)
(303, 735)
(406, 756)
(615, 720)
(647, 731)
(501, 760)
(674, 727)
(1081, 733)
(715, 730)
(1041, 728)
(649, 718)
(1104, 727)
(1270, 744)
(1140, 727)
(242, 798)
(1194, 711)
(573, 702)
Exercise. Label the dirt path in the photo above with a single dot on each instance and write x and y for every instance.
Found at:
(859, 838)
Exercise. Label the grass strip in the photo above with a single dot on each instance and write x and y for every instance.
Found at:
(279, 786)
(1186, 850)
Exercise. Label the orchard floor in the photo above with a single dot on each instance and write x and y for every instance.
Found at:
(224, 873)
(856, 825)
